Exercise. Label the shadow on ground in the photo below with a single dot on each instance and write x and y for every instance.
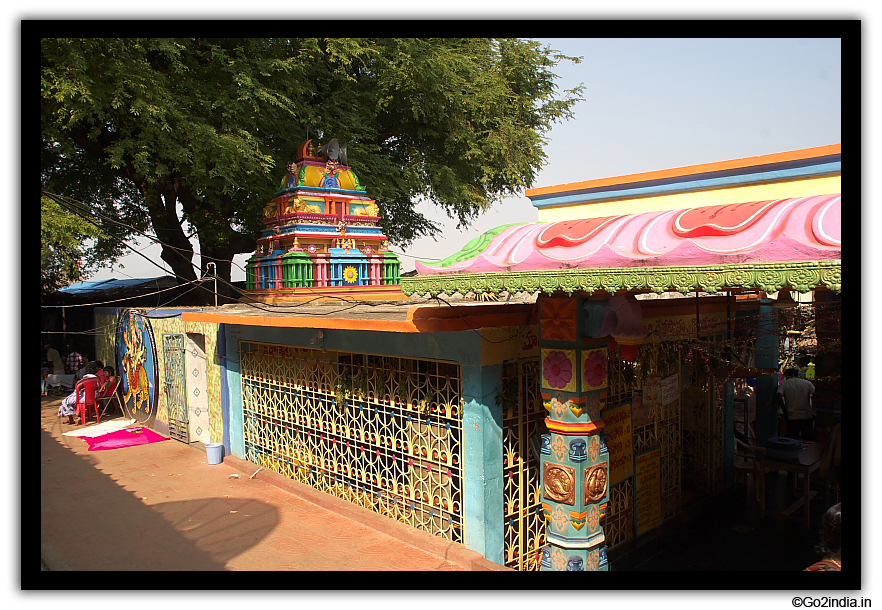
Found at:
(89, 521)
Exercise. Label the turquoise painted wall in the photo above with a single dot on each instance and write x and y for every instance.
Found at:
(482, 418)
(766, 357)
(482, 460)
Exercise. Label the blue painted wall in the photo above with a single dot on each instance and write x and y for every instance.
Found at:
(766, 356)
(482, 461)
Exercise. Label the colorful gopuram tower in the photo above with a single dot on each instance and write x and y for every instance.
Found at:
(322, 236)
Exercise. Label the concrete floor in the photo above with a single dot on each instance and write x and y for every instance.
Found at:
(161, 506)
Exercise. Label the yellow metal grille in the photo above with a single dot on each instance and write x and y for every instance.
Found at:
(664, 431)
(702, 429)
(522, 419)
(618, 521)
(381, 432)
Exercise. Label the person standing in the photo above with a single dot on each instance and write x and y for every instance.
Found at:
(795, 395)
(74, 361)
(54, 358)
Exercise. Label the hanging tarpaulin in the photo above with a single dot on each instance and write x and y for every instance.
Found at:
(136, 365)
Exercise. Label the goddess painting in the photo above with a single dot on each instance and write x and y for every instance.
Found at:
(137, 366)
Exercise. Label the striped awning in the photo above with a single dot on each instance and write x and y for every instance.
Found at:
(767, 245)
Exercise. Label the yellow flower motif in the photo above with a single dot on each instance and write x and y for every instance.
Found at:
(350, 275)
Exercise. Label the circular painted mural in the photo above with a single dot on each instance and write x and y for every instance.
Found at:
(136, 359)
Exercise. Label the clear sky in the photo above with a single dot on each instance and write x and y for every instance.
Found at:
(654, 104)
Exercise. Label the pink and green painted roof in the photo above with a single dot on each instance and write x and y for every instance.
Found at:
(768, 245)
(786, 230)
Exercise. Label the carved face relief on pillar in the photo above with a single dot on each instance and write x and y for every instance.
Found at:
(595, 483)
(546, 444)
(602, 557)
(575, 564)
(560, 483)
(577, 450)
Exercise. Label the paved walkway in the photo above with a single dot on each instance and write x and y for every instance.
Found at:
(163, 507)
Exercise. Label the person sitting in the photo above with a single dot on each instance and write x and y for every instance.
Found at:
(101, 375)
(109, 385)
(69, 405)
(831, 541)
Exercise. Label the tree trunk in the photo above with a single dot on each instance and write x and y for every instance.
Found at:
(218, 241)
(177, 250)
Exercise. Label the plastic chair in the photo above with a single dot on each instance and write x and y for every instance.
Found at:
(109, 396)
(746, 461)
(89, 386)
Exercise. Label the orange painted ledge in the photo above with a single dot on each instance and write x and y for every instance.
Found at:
(574, 428)
(419, 319)
(806, 153)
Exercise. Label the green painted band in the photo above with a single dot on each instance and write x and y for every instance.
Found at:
(802, 276)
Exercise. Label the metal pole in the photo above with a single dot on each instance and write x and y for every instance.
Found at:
(213, 272)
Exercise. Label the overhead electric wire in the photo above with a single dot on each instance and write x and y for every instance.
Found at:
(65, 203)
(156, 240)
(153, 238)
(88, 218)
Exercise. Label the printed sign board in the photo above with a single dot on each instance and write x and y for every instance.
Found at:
(647, 491)
(617, 425)
(651, 398)
(669, 389)
(669, 328)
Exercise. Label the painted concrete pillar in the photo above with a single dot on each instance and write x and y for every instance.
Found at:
(573, 456)
(766, 357)
(482, 462)
(321, 270)
(827, 399)
(376, 273)
(277, 269)
(233, 333)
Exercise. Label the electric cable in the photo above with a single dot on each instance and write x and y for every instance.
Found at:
(263, 306)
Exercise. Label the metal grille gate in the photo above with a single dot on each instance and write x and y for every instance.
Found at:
(664, 431)
(522, 419)
(173, 352)
(381, 432)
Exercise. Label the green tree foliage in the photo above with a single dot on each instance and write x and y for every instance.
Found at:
(63, 258)
(207, 125)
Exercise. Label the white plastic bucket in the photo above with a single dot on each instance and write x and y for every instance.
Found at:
(215, 452)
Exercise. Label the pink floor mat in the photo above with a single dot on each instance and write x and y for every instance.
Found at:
(127, 437)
